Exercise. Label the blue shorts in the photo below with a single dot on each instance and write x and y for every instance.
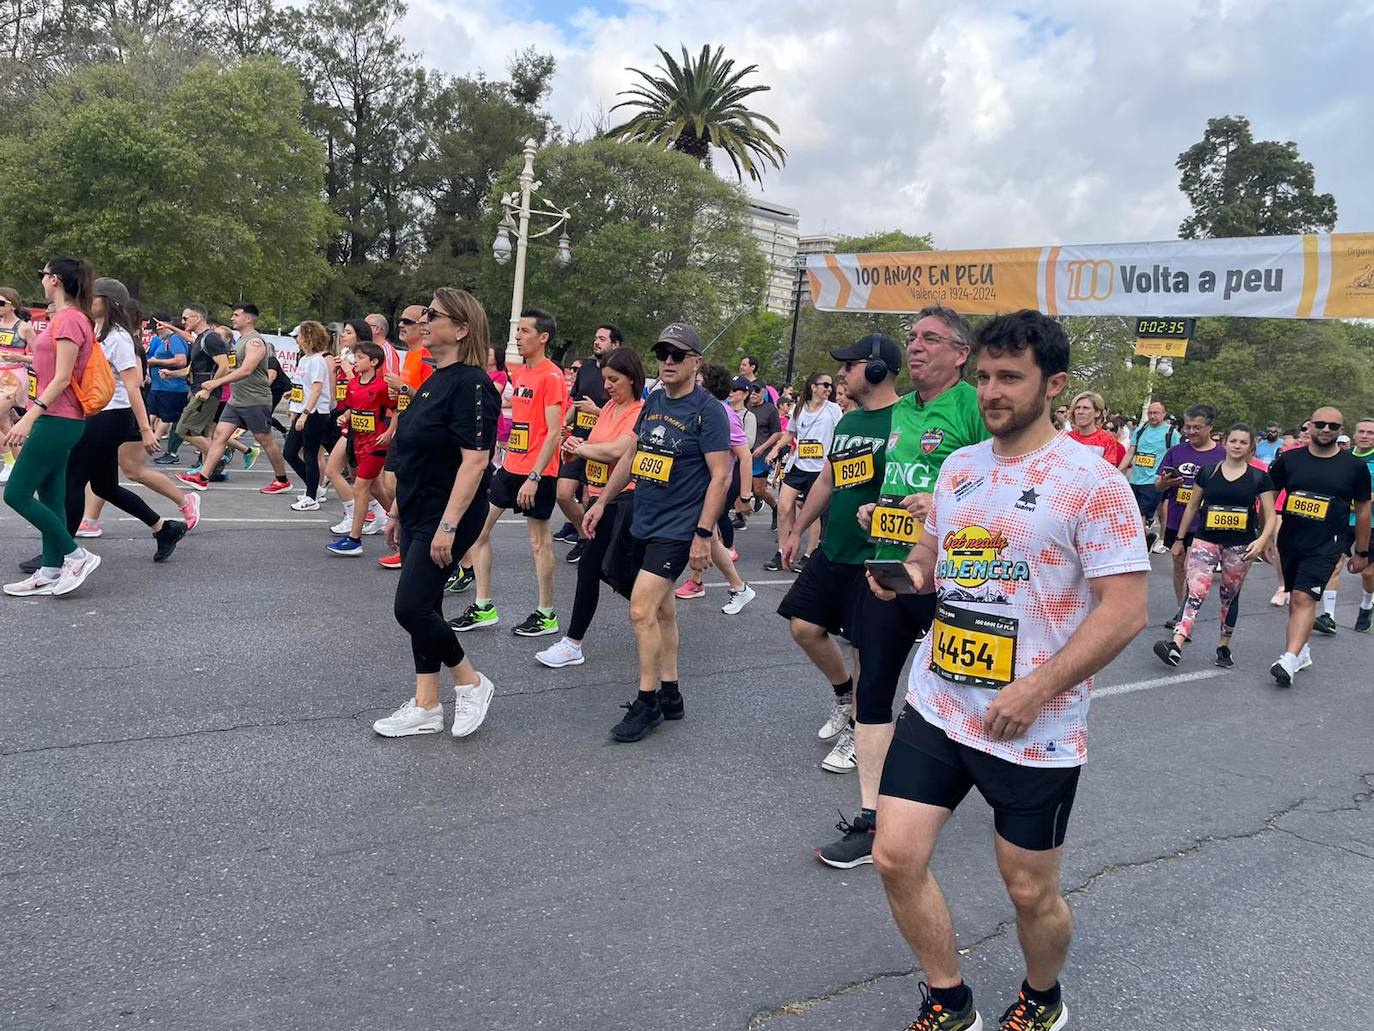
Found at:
(760, 468)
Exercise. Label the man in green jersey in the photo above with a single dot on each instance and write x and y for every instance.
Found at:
(936, 419)
(825, 598)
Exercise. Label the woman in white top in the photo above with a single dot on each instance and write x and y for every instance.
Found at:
(808, 434)
(120, 434)
(311, 403)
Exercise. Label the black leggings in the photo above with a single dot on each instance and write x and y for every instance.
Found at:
(95, 460)
(302, 449)
(419, 605)
(588, 592)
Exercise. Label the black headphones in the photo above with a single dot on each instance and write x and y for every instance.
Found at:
(876, 370)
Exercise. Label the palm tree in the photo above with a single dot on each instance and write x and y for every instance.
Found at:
(696, 105)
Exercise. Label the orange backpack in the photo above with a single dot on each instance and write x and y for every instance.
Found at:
(95, 386)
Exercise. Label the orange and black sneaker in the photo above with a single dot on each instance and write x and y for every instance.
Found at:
(934, 1017)
(1024, 1015)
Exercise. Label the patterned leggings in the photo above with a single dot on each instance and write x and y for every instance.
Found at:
(1202, 560)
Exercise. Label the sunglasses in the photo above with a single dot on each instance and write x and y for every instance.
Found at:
(407, 322)
(1317, 424)
(4, 302)
(434, 313)
(671, 354)
(825, 383)
(43, 274)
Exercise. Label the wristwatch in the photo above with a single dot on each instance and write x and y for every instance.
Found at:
(447, 527)
(703, 533)
(535, 477)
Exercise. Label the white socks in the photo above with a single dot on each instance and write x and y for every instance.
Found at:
(1367, 602)
(375, 507)
(1329, 603)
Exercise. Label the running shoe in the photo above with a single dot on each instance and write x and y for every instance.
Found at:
(774, 526)
(640, 719)
(190, 511)
(1362, 621)
(855, 848)
(74, 573)
(1284, 670)
(347, 546)
(734, 555)
(1325, 623)
(1280, 598)
(166, 459)
(172, 531)
(934, 1017)
(344, 525)
(31, 565)
(476, 618)
(1168, 652)
(460, 581)
(277, 487)
(392, 561)
(409, 720)
(561, 653)
(799, 562)
(89, 528)
(1224, 659)
(690, 589)
(739, 522)
(739, 599)
(375, 524)
(774, 564)
(1150, 538)
(196, 469)
(838, 719)
(1304, 658)
(1024, 1015)
(305, 503)
(470, 705)
(36, 583)
(1159, 549)
(758, 504)
(567, 535)
(671, 705)
(842, 758)
(537, 624)
(194, 480)
(250, 457)
(575, 552)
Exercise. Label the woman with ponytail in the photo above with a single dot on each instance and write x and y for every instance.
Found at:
(37, 489)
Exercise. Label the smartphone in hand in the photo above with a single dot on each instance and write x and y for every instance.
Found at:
(891, 575)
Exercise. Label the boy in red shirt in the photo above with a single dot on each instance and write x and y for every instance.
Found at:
(365, 416)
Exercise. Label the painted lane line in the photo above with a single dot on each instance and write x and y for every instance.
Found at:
(1146, 685)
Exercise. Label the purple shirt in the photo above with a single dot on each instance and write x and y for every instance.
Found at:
(737, 434)
(1189, 461)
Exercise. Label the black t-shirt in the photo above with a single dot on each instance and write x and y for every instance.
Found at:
(203, 351)
(589, 383)
(1316, 513)
(456, 408)
(282, 383)
(1227, 517)
(766, 421)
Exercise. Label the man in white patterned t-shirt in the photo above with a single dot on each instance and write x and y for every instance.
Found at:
(1035, 551)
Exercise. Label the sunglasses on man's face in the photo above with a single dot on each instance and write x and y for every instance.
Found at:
(671, 354)
(1317, 424)
(407, 322)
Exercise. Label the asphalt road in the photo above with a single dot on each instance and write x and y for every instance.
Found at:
(200, 830)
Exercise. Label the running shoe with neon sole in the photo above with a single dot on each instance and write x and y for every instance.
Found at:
(470, 705)
(842, 758)
(392, 561)
(690, 589)
(460, 581)
(251, 456)
(345, 546)
(190, 511)
(410, 720)
(1325, 623)
(1024, 1015)
(562, 653)
(89, 528)
(277, 487)
(194, 480)
(537, 624)
(934, 1017)
(855, 848)
(476, 618)
(838, 719)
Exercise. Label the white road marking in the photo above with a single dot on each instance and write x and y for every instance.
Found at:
(1146, 685)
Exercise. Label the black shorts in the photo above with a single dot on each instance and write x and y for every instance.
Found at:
(662, 557)
(572, 469)
(1308, 571)
(885, 633)
(1030, 804)
(1171, 535)
(827, 594)
(800, 481)
(506, 485)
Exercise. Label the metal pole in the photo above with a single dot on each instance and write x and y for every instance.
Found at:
(796, 313)
(522, 237)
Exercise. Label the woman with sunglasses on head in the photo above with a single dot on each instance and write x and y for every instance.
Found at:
(37, 489)
(808, 435)
(441, 455)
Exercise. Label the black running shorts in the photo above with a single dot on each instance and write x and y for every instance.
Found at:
(663, 557)
(826, 593)
(1308, 571)
(505, 486)
(1030, 804)
(885, 633)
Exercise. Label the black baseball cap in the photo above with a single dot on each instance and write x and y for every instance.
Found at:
(681, 335)
(739, 383)
(875, 345)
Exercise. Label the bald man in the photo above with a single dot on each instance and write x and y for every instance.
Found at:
(1325, 484)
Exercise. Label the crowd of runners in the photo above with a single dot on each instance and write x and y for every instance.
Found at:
(939, 497)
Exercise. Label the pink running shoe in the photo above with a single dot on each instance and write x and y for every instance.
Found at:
(690, 589)
(190, 511)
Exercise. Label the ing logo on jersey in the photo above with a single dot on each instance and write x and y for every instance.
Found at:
(972, 559)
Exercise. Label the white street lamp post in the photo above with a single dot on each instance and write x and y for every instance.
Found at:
(515, 217)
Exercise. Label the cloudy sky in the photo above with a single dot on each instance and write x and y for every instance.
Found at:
(983, 123)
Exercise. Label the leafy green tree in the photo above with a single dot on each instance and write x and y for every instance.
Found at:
(655, 238)
(1242, 187)
(699, 104)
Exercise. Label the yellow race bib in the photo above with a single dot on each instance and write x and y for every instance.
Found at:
(598, 473)
(298, 394)
(648, 465)
(340, 390)
(585, 420)
(363, 422)
(33, 385)
(1227, 517)
(852, 468)
(1308, 505)
(893, 524)
(973, 648)
(1145, 460)
(233, 359)
(519, 442)
(402, 401)
(1185, 495)
(810, 449)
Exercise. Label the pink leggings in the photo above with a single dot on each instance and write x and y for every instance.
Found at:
(1202, 560)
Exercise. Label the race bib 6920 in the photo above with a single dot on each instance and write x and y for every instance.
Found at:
(852, 468)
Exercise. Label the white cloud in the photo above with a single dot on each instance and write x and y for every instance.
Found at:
(983, 123)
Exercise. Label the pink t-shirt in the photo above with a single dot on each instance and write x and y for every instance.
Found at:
(67, 324)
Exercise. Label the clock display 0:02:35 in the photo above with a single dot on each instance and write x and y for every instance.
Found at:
(1177, 329)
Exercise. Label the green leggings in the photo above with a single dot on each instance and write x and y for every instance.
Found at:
(41, 470)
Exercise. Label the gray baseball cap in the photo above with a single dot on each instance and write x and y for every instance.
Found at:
(681, 334)
(112, 290)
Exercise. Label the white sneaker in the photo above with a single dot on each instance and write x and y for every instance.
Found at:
(5, 469)
(563, 653)
(470, 706)
(1304, 658)
(738, 599)
(342, 527)
(842, 758)
(1285, 669)
(305, 504)
(375, 524)
(1159, 548)
(74, 573)
(322, 495)
(410, 719)
(35, 584)
(838, 719)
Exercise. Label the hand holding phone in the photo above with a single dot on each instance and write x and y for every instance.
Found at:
(891, 575)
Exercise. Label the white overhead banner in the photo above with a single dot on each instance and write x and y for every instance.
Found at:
(1276, 277)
